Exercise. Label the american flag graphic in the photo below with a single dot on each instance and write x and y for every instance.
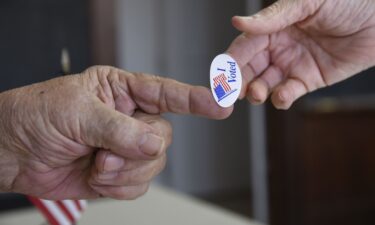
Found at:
(222, 80)
(64, 212)
(221, 87)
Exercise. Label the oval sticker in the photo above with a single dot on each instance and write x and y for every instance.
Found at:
(226, 80)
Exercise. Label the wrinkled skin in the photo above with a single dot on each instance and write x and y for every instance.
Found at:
(94, 134)
(297, 46)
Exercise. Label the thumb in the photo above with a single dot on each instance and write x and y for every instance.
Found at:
(276, 17)
(105, 128)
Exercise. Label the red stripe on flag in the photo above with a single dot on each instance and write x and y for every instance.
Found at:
(224, 83)
(38, 203)
(222, 79)
(65, 211)
(216, 82)
(226, 86)
(78, 204)
(218, 78)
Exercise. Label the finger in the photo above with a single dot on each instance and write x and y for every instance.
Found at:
(287, 92)
(261, 87)
(245, 47)
(122, 192)
(117, 171)
(276, 17)
(105, 128)
(107, 161)
(142, 174)
(248, 75)
(157, 95)
(252, 70)
(161, 126)
(260, 62)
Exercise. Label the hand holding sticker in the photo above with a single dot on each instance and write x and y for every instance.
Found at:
(226, 80)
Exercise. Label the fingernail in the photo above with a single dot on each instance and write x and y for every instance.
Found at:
(283, 96)
(107, 176)
(254, 97)
(113, 163)
(248, 17)
(239, 17)
(151, 144)
(254, 101)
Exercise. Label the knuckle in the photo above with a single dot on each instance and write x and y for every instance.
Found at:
(97, 74)
(274, 9)
(156, 79)
(99, 70)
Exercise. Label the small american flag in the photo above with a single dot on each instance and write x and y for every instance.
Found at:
(222, 80)
(64, 212)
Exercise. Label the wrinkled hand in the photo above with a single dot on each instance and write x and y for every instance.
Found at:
(98, 133)
(297, 46)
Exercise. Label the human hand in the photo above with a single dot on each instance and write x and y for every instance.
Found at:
(98, 133)
(297, 46)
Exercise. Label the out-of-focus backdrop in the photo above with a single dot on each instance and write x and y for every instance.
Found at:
(313, 164)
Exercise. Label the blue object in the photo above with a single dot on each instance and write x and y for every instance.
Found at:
(219, 91)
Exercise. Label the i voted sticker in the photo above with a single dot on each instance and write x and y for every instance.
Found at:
(226, 80)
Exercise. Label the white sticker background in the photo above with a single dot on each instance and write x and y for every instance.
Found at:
(226, 80)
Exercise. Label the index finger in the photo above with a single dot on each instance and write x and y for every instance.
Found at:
(155, 95)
